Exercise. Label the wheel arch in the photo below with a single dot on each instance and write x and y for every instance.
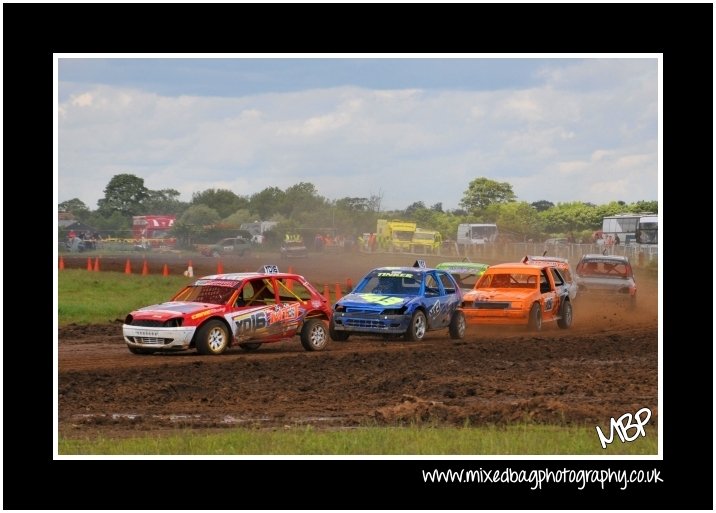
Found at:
(192, 344)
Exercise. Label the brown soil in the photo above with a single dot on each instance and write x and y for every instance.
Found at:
(604, 366)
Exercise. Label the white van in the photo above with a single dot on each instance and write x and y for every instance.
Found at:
(473, 234)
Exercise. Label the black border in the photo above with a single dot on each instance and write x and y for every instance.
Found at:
(32, 32)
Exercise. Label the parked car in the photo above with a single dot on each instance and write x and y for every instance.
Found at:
(606, 277)
(229, 246)
(293, 249)
(466, 274)
(519, 294)
(560, 263)
(400, 301)
(245, 309)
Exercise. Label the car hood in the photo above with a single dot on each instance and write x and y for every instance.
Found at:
(368, 301)
(499, 294)
(171, 309)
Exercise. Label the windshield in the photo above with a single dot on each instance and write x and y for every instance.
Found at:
(604, 269)
(508, 281)
(386, 282)
(217, 294)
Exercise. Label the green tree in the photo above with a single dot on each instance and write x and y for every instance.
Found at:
(194, 223)
(125, 194)
(483, 192)
(266, 203)
(301, 200)
(542, 205)
(164, 201)
(519, 218)
(571, 217)
(237, 218)
(76, 207)
(224, 201)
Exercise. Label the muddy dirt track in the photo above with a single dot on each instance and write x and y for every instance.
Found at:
(604, 366)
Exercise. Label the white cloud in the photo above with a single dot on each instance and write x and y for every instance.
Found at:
(582, 136)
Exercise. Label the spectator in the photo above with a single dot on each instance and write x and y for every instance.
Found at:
(616, 240)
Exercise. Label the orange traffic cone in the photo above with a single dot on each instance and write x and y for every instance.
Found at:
(219, 268)
(89, 264)
(96, 264)
(145, 269)
(128, 267)
(326, 292)
(339, 293)
(189, 270)
(349, 285)
(290, 270)
(165, 271)
(62, 264)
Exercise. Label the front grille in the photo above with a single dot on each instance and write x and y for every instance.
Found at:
(361, 310)
(152, 340)
(365, 323)
(484, 305)
(148, 323)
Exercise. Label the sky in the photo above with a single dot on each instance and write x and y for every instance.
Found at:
(405, 127)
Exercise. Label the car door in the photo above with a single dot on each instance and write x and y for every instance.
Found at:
(436, 301)
(549, 298)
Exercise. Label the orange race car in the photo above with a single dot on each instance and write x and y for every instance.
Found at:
(519, 294)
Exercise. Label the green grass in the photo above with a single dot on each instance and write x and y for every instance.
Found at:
(94, 298)
(518, 440)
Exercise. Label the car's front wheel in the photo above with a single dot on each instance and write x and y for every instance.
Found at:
(565, 319)
(212, 338)
(457, 325)
(314, 335)
(417, 328)
(535, 320)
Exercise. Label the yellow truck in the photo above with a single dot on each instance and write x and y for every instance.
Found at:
(426, 241)
(395, 235)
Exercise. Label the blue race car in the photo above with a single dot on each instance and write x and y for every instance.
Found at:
(395, 301)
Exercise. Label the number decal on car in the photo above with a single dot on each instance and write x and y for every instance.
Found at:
(381, 300)
(548, 304)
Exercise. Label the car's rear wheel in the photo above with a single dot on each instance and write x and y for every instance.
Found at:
(535, 320)
(339, 336)
(250, 346)
(314, 335)
(212, 338)
(417, 328)
(565, 318)
(457, 325)
(140, 350)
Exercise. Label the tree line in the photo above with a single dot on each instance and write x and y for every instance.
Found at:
(213, 213)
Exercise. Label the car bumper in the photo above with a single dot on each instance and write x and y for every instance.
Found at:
(166, 339)
(370, 323)
(495, 316)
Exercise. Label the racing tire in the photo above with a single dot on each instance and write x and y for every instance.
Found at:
(535, 319)
(250, 346)
(565, 318)
(314, 335)
(140, 350)
(338, 336)
(212, 338)
(457, 325)
(417, 328)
